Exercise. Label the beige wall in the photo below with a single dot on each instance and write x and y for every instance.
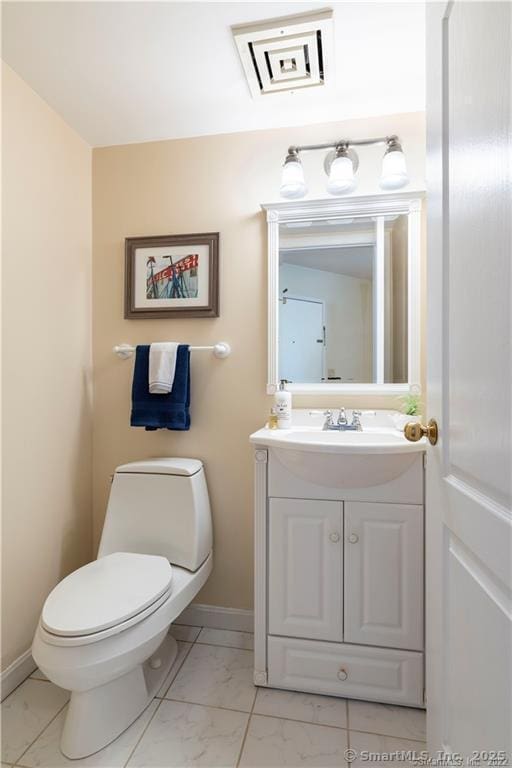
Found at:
(46, 357)
(213, 183)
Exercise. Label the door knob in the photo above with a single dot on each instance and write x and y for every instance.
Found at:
(353, 538)
(342, 673)
(414, 431)
(334, 537)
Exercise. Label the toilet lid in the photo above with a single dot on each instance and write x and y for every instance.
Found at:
(105, 593)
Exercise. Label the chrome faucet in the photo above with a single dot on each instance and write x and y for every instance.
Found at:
(342, 425)
(342, 418)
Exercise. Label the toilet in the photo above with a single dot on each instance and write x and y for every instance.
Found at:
(103, 630)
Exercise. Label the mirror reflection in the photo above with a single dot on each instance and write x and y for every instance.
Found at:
(343, 300)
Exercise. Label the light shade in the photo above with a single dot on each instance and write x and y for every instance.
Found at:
(394, 169)
(341, 176)
(293, 185)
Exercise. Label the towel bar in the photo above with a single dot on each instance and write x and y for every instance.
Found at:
(221, 350)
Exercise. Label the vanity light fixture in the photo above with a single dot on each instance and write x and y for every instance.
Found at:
(342, 172)
(394, 169)
(293, 185)
(341, 165)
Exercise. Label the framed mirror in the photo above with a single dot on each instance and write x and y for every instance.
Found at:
(344, 294)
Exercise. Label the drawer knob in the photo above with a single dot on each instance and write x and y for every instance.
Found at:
(342, 673)
(353, 538)
(334, 537)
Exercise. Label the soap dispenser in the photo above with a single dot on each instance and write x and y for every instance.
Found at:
(283, 406)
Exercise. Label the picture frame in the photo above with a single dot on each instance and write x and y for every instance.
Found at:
(172, 276)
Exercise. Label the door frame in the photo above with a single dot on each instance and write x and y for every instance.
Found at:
(436, 13)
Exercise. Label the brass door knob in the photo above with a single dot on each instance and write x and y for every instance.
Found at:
(414, 431)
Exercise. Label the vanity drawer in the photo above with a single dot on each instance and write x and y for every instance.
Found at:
(339, 669)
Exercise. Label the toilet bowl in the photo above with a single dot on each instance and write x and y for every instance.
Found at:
(103, 631)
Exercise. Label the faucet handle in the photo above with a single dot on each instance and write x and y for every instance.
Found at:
(329, 421)
(356, 420)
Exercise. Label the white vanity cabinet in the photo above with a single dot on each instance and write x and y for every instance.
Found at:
(305, 566)
(383, 582)
(339, 585)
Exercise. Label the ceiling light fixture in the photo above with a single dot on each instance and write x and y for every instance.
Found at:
(341, 165)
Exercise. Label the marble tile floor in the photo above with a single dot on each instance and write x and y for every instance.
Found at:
(208, 713)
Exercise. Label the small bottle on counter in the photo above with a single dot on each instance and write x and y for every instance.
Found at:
(272, 421)
(283, 406)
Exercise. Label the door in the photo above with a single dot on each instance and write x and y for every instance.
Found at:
(384, 575)
(468, 493)
(305, 568)
(301, 340)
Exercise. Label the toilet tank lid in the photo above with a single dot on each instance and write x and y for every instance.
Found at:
(165, 466)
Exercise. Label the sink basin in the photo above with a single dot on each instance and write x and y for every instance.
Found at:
(341, 459)
(347, 442)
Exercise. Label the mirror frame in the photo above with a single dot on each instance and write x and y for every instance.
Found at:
(409, 204)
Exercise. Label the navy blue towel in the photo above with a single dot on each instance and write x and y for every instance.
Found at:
(161, 411)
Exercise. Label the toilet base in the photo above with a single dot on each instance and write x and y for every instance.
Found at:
(98, 716)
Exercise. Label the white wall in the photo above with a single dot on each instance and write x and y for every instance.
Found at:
(348, 315)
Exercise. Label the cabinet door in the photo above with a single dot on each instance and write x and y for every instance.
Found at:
(384, 575)
(305, 568)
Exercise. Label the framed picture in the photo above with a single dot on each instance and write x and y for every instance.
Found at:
(172, 276)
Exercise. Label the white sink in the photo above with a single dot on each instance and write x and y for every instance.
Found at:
(349, 459)
(344, 442)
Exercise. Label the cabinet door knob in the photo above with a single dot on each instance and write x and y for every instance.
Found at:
(342, 673)
(353, 538)
(334, 537)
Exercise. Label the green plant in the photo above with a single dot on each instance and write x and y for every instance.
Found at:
(411, 404)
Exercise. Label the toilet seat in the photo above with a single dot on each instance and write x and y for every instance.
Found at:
(105, 597)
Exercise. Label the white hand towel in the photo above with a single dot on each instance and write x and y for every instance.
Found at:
(162, 367)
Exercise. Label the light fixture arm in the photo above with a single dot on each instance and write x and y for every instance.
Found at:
(392, 140)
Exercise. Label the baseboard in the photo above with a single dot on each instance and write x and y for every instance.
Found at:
(214, 616)
(217, 617)
(16, 673)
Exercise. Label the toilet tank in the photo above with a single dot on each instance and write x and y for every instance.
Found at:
(159, 507)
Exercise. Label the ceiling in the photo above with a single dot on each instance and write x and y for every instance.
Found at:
(352, 262)
(122, 72)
